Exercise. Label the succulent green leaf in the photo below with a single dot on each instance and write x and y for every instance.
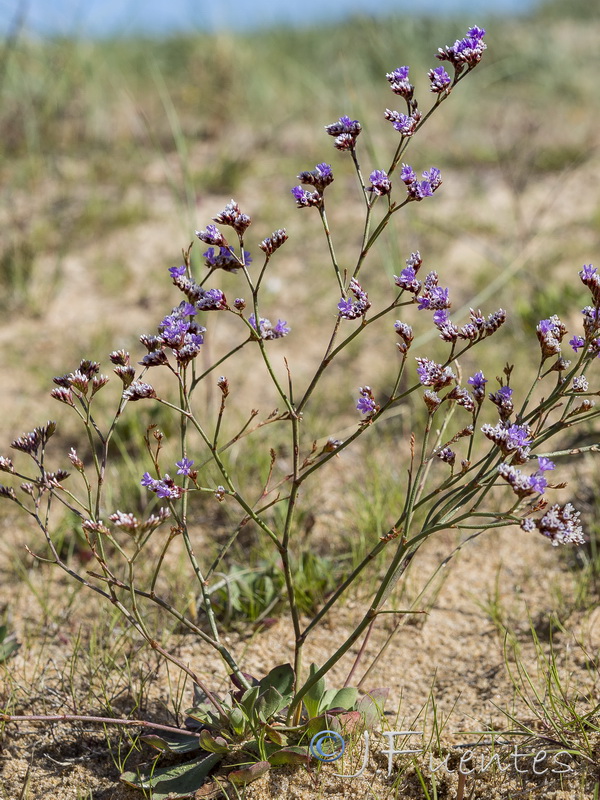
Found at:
(269, 703)
(371, 706)
(248, 701)
(174, 782)
(214, 744)
(173, 742)
(237, 720)
(312, 699)
(339, 698)
(281, 678)
(249, 773)
(290, 755)
(348, 723)
(275, 736)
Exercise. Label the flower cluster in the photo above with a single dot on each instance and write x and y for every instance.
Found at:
(405, 332)
(352, 309)
(550, 333)
(440, 80)
(83, 380)
(164, 488)
(204, 299)
(346, 132)
(432, 374)
(273, 242)
(380, 183)
(226, 259)
(177, 332)
(405, 124)
(132, 525)
(511, 439)
(267, 330)
(478, 382)
(503, 400)
(31, 443)
(399, 83)
(407, 280)
(433, 297)
(526, 485)
(560, 524)
(366, 403)
(418, 190)
(232, 216)
(320, 177)
(467, 51)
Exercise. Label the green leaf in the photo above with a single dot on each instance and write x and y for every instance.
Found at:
(248, 701)
(317, 724)
(348, 723)
(275, 736)
(290, 755)
(281, 678)
(249, 773)
(174, 782)
(371, 706)
(312, 699)
(341, 698)
(214, 744)
(269, 703)
(173, 742)
(237, 720)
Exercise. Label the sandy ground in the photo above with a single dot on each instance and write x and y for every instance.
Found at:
(453, 657)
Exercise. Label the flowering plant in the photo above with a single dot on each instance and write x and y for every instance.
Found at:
(269, 717)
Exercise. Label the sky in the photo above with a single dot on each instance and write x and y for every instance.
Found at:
(156, 17)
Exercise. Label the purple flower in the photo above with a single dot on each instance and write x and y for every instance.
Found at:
(577, 342)
(407, 280)
(346, 131)
(274, 241)
(538, 483)
(212, 235)
(380, 183)
(467, 51)
(447, 455)
(403, 123)
(399, 83)
(232, 216)
(407, 174)
(176, 272)
(366, 403)
(478, 382)
(417, 190)
(320, 177)
(269, 331)
(349, 309)
(164, 488)
(559, 524)
(544, 464)
(212, 300)
(147, 480)
(440, 80)
(433, 296)
(305, 199)
(518, 436)
(185, 465)
(514, 439)
(432, 374)
(225, 259)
